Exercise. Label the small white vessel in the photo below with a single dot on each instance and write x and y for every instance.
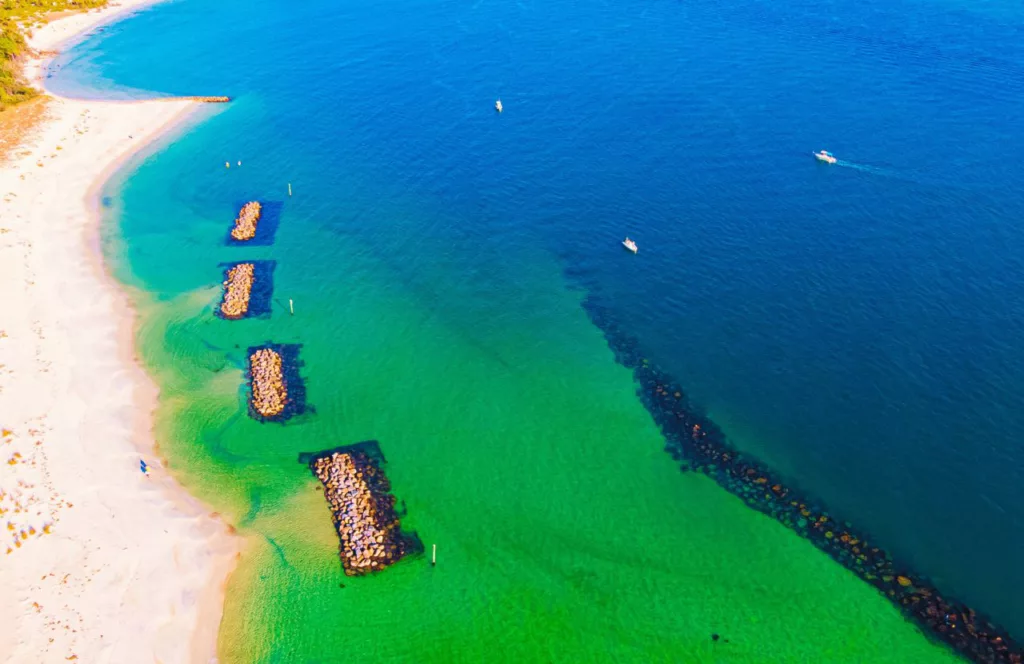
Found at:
(825, 156)
(629, 244)
(497, 106)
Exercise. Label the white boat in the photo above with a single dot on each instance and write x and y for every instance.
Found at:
(825, 156)
(497, 106)
(629, 244)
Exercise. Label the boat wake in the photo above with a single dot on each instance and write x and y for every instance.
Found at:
(902, 175)
(912, 177)
(874, 170)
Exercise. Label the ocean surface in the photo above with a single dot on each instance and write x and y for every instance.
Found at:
(856, 326)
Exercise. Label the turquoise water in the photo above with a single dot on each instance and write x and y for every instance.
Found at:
(854, 325)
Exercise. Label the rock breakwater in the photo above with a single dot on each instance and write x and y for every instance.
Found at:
(203, 99)
(238, 284)
(362, 508)
(699, 445)
(245, 223)
(277, 391)
(269, 391)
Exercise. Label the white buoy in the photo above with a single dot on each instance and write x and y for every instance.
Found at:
(239, 162)
(498, 106)
(289, 188)
(433, 555)
(227, 164)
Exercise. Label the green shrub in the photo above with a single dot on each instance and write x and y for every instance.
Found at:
(14, 13)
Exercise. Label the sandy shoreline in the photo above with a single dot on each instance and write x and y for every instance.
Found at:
(105, 564)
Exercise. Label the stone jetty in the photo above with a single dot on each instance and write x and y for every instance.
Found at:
(245, 223)
(266, 375)
(237, 289)
(362, 509)
(700, 446)
(203, 99)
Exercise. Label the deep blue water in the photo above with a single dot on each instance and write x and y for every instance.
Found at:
(857, 325)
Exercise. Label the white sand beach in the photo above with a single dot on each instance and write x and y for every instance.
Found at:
(100, 563)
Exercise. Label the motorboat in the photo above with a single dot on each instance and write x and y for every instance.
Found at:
(825, 156)
(497, 106)
(629, 244)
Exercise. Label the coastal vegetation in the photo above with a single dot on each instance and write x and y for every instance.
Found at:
(17, 16)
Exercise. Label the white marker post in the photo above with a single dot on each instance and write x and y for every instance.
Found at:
(291, 307)
(433, 556)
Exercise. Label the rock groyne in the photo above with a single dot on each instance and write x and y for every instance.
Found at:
(700, 446)
(245, 222)
(203, 99)
(238, 285)
(277, 391)
(269, 392)
(362, 508)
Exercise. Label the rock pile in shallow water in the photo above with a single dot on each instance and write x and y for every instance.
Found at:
(245, 223)
(237, 289)
(700, 446)
(266, 375)
(363, 511)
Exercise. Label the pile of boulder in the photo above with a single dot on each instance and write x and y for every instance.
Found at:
(237, 289)
(363, 511)
(266, 374)
(245, 223)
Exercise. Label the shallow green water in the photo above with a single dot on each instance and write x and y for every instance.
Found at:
(564, 533)
(435, 316)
